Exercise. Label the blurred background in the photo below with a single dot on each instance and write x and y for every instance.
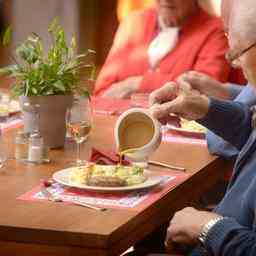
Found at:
(93, 22)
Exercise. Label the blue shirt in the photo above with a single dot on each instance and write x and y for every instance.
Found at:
(218, 146)
(235, 235)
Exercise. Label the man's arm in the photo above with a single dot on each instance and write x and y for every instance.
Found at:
(228, 237)
(229, 120)
(208, 231)
(216, 144)
(234, 90)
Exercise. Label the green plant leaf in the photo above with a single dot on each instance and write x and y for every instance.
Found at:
(56, 72)
(34, 90)
(59, 85)
(7, 36)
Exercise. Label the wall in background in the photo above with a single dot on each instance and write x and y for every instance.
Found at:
(35, 15)
(93, 22)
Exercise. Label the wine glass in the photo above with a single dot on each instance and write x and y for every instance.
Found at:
(79, 123)
(4, 107)
(3, 150)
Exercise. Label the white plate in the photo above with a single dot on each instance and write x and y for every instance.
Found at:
(62, 177)
(14, 107)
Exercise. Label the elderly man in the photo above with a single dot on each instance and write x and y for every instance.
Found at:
(230, 229)
(158, 44)
(213, 88)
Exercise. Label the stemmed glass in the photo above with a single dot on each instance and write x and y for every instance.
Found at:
(79, 123)
(4, 107)
(3, 150)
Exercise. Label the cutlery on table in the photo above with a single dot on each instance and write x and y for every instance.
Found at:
(56, 198)
(160, 164)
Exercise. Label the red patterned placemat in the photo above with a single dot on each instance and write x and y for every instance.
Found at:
(132, 200)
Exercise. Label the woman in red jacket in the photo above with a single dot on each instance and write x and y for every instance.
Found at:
(157, 45)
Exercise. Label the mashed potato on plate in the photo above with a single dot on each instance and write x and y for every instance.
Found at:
(107, 175)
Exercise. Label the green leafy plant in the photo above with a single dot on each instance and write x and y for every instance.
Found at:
(57, 72)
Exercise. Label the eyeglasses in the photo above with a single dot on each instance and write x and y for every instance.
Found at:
(232, 56)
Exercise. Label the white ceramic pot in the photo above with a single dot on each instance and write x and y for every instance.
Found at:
(132, 129)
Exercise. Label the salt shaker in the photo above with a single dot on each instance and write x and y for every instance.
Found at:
(36, 148)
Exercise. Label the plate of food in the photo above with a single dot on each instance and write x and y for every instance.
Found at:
(12, 107)
(189, 128)
(107, 177)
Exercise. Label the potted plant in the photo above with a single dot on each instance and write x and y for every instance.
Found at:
(47, 80)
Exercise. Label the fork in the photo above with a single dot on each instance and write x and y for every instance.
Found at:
(55, 198)
(156, 163)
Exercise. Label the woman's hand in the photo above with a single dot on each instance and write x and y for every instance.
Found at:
(123, 89)
(186, 226)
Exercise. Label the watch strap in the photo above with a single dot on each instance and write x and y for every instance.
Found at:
(206, 228)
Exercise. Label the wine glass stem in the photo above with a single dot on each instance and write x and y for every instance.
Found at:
(78, 160)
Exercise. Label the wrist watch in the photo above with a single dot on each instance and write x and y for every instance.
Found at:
(206, 228)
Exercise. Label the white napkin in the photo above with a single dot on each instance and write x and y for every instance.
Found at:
(163, 44)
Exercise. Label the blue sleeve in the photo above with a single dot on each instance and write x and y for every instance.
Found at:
(247, 95)
(216, 144)
(234, 90)
(230, 120)
(228, 237)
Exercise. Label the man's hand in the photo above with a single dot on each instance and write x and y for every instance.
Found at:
(167, 92)
(186, 225)
(206, 85)
(123, 89)
(180, 100)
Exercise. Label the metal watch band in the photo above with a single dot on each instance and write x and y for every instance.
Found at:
(206, 228)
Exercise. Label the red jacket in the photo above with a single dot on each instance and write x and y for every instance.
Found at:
(201, 47)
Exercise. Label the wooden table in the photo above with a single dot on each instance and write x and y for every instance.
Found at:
(36, 228)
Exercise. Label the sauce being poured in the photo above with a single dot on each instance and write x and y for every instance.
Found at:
(125, 152)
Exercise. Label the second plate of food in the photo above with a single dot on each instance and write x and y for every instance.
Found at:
(189, 128)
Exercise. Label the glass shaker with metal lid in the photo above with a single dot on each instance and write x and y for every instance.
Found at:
(37, 152)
